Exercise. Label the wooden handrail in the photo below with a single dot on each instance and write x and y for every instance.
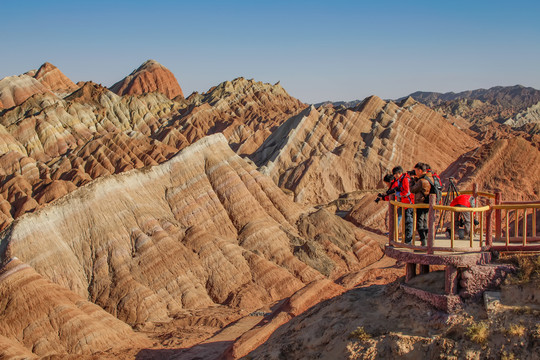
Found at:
(409, 206)
(519, 202)
(519, 206)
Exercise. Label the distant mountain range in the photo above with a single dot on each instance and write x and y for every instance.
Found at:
(516, 96)
(507, 96)
(347, 104)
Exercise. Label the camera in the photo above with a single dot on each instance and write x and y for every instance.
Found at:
(411, 173)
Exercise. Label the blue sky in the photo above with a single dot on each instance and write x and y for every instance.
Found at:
(339, 50)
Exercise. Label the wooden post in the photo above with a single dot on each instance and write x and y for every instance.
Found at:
(471, 234)
(396, 227)
(498, 219)
(489, 228)
(534, 223)
(473, 214)
(431, 223)
(481, 228)
(403, 210)
(525, 227)
(452, 229)
(507, 227)
(414, 227)
(424, 269)
(390, 220)
(516, 223)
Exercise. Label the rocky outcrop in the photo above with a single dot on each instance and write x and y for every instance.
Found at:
(38, 317)
(530, 116)
(14, 90)
(511, 166)
(203, 228)
(477, 279)
(52, 78)
(369, 215)
(245, 111)
(149, 77)
(324, 152)
(28, 184)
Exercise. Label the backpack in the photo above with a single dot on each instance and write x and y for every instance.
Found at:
(436, 188)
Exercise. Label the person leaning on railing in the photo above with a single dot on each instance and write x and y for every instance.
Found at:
(421, 190)
(403, 194)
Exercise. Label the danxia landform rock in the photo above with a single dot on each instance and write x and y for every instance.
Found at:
(14, 90)
(50, 76)
(322, 153)
(44, 318)
(201, 229)
(149, 77)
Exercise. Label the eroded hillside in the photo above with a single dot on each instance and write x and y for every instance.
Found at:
(50, 145)
(322, 153)
(202, 229)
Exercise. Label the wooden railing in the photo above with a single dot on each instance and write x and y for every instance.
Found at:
(511, 230)
(511, 220)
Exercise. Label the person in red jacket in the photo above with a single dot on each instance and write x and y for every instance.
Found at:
(462, 224)
(403, 194)
(391, 184)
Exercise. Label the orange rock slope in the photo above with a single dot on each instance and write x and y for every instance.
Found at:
(38, 317)
(14, 90)
(511, 166)
(50, 76)
(149, 77)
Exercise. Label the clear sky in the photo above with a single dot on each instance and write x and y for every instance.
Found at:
(331, 50)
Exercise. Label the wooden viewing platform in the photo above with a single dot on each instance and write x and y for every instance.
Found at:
(502, 226)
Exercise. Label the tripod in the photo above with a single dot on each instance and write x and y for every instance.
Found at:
(451, 193)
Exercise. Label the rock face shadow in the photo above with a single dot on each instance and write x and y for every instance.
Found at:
(205, 351)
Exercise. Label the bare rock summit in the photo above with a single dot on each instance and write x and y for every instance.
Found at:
(52, 78)
(149, 77)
